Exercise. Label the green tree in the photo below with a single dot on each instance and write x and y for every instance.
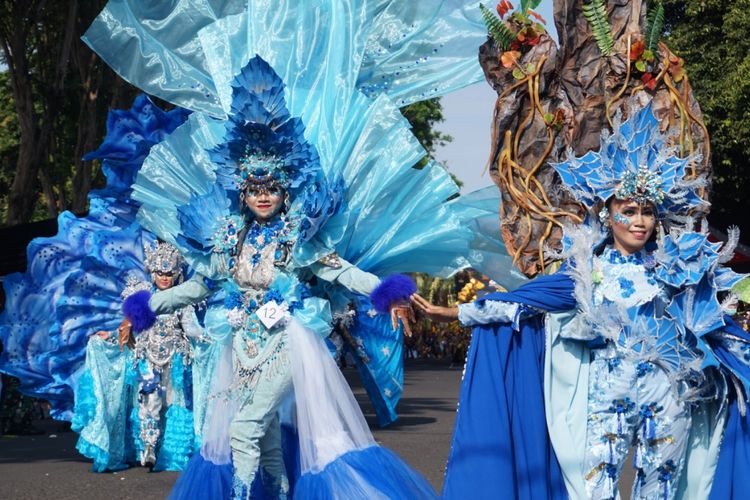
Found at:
(713, 37)
(423, 117)
(59, 92)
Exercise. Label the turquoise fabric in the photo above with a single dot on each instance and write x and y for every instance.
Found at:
(106, 407)
(186, 52)
(102, 405)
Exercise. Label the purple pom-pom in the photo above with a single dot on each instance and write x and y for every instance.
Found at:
(395, 288)
(137, 310)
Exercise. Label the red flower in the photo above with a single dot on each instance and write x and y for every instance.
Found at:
(503, 6)
(648, 81)
(636, 50)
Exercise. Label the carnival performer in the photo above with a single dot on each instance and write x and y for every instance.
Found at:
(147, 388)
(626, 347)
(74, 279)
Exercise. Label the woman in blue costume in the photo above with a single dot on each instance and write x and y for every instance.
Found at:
(295, 106)
(135, 403)
(627, 348)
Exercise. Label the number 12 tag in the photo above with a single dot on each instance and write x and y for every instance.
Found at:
(270, 314)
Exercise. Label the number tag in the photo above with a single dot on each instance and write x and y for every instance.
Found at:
(270, 314)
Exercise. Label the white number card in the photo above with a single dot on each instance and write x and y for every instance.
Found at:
(270, 314)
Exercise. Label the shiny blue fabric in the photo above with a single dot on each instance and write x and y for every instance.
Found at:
(500, 433)
(179, 51)
(383, 373)
(731, 480)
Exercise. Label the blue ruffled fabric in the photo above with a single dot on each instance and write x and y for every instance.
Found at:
(380, 473)
(178, 439)
(203, 479)
(84, 413)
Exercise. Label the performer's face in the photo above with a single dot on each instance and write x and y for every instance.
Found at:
(163, 280)
(264, 204)
(632, 224)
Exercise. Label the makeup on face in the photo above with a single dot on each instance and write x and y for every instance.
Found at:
(164, 280)
(264, 204)
(632, 225)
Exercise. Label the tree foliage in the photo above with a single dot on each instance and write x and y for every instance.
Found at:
(423, 117)
(713, 36)
(54, 93)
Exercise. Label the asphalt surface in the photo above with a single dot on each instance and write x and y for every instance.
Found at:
(48, 465)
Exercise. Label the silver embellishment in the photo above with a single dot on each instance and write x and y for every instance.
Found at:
(331, 260)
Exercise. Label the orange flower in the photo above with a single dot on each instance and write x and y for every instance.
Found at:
(510, 58)
(636, 50)
(676, 68)
(537, 17)
(503, 6)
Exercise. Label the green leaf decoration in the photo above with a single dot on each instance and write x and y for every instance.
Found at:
(654, 25)
(595, 13)
(499, 32)
(527, 5)
(742, 290)
(640, 66)
(518, 74)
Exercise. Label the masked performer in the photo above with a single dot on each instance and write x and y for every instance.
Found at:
(147, 389)
(627, 347)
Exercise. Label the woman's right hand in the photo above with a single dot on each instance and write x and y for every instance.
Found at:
(433, 312)
(103, 334)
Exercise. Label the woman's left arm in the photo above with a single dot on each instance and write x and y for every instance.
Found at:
(334, 269)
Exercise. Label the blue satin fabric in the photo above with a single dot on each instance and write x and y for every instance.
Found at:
(183, 51)
(501, 432)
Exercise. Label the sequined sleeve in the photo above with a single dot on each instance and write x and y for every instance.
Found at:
(491, 311)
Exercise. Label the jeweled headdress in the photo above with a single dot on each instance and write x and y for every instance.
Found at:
(264, 148)
(635, 162)
(163, 258)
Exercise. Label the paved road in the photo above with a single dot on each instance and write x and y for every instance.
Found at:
(48, 466)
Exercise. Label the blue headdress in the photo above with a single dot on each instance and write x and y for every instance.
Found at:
(264, 147)
(634, 162)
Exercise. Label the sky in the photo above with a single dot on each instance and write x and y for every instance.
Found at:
(468, 114)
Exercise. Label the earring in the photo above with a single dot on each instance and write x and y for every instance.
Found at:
(604, 216)
(287, 203)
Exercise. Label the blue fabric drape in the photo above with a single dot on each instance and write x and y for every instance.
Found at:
(732, 480)
(501, 447)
